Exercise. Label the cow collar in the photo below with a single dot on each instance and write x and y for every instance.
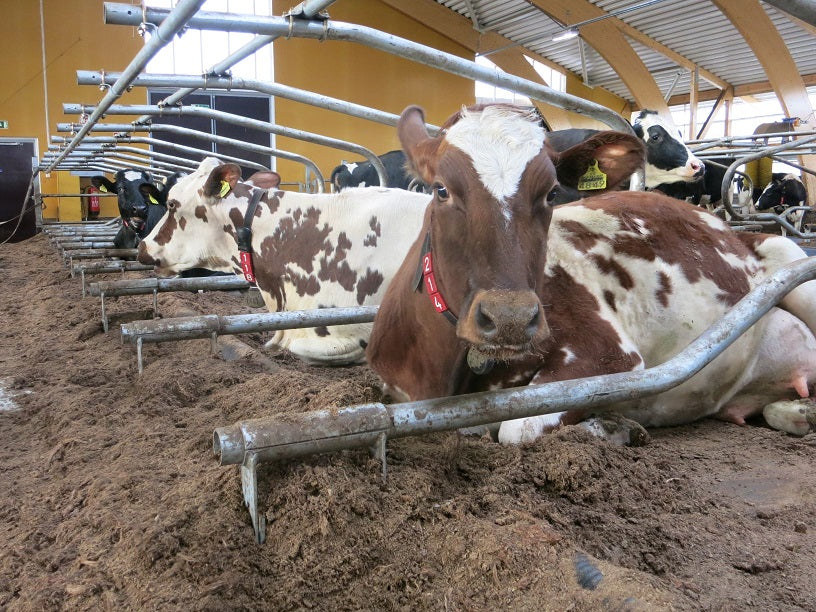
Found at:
(244, 236)
(478, 362)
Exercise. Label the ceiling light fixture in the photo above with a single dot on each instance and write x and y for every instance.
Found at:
(566, 34)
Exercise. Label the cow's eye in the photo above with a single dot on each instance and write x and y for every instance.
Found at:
(441, 192)
(552, 194)
(655, 137)
(172, 204)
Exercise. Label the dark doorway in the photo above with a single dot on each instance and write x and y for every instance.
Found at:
(16, 158)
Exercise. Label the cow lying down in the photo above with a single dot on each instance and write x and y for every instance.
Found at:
(309, 250)
(500, 289)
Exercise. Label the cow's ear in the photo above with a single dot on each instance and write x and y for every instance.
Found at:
(103, 184)
(419, 147)
(221, 180)
(150, 191)
(617, 155)
(265, 179)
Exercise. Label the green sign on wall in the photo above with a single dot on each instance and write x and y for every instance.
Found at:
(3, 125)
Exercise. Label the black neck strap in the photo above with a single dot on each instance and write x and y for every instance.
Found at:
(425, 277)
(244, 236)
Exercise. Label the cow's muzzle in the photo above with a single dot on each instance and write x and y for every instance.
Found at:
(504, 324)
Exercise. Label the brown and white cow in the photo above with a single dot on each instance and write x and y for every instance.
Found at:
(613, 283)
(309, 250)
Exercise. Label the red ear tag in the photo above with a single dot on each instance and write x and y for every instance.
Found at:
(246, 266)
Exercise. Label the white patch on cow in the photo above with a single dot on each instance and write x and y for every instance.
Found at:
(711, 220)
(518, 431)
(569, 356)
(500, 143)
(133, 175)
(352, 166)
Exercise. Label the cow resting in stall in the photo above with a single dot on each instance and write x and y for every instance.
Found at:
(309, 251)
(500, 289)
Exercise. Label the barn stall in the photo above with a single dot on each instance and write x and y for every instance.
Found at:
(115, 498)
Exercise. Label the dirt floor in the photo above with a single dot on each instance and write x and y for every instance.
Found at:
(113, 500)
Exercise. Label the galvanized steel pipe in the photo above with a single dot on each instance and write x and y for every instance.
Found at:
(187, 328)
(143, 286)
(172, 25)
(195, 111)
(360, 426)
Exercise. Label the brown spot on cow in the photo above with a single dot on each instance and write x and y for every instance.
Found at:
(368, 284)
(336, 269)
(376, 232)
(182, 223)
(609, 298)
(272, 201)
(289, 252)
(322, 331)
(664, 289)
(201, 213)
(579, 236)
(169, 226)
(610, 266)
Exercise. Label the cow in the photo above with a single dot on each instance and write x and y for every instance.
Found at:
(668, 159)
(500, 289)
(363, 174)
(137, 194)
(309, 251)
(783, 192)
(707, 189)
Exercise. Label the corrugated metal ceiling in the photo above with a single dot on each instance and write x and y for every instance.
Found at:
(695, 29)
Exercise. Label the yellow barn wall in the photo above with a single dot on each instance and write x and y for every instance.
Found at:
(356, 73)
(576, 87)
(75, 38)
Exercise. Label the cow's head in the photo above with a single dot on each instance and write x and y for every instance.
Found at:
(493, 176)
(668, 159)
(783, 191)
(193, 228)
(136, 192)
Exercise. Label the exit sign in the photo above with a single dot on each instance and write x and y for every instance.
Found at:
(3, 125)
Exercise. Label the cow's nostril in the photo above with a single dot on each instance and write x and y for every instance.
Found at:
(485, 322)
(535, 320)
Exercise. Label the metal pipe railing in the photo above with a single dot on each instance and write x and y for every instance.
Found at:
(174, 129)
(164, 143)
(256, 124)
(210, 81)
(175, 20)
(211, 326)
(116, 13)
(251, 442)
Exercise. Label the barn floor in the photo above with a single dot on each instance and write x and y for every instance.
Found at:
(112, 499)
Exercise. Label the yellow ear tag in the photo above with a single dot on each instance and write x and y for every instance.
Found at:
(103, 189)
(593, 178)
(152, 199)
(225, 187)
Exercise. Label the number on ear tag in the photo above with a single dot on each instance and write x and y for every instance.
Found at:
(225, 187)
(593, 178)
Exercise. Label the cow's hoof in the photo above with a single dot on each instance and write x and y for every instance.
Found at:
(797, 417)
(616, 429)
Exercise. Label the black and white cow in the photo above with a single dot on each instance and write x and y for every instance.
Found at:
(363, 174)
(668, 159)
(784, 191)
(707, 190)
(141, 203)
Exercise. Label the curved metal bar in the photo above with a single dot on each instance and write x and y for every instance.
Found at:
(760, 217)
(88, 77)
(264, 126)
(357, 426)
(175, 129)
(176, 20)
(118, 14)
